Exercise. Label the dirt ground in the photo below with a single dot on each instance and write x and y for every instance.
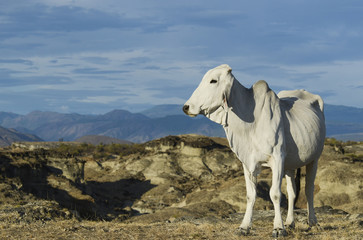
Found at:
(333, 225)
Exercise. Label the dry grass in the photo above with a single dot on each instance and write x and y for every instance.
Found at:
(331, 227)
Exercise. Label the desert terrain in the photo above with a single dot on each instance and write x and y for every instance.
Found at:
(177, 187)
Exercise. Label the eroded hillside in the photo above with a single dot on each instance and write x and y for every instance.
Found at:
(171, 179)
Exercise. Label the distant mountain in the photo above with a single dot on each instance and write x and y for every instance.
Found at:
(155, 122)
(335, 113)
(6, 116)
(164, 110)
(349, 137)
(120, 124)
(8, 136)
(344, 123)
(98, 139)
(38, 119)
(120, 115)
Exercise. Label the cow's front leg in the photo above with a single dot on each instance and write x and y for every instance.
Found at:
(251, 180)
(275, 194)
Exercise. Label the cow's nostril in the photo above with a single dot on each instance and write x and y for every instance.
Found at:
(186, 108)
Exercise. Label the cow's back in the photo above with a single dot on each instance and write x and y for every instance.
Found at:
(304, 126)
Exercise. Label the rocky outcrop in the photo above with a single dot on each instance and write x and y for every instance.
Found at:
(177, 175)
(31, 146)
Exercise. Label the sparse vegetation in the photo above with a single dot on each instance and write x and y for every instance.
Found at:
(335, 142)
(350, 149)
(332, 142)
(73, 150)
(97, 151)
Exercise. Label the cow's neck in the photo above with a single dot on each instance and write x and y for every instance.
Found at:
(240, 122)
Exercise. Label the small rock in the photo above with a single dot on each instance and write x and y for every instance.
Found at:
(172, 219)
(355, 216)
(127, 209)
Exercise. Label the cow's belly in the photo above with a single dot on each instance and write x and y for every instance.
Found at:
(304, 136)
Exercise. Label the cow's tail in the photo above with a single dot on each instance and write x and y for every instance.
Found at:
(297, 184)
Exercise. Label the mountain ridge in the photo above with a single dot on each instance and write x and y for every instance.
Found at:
(156, 122)
(8, 136)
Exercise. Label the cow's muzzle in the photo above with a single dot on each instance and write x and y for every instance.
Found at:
(186, 111)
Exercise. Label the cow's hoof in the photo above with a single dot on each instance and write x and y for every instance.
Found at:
(242, 232)
(312, 221)
(291, 226)
(279, 232)
(316, 227)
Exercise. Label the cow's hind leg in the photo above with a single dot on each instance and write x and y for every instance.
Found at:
(309, 191)
(291, 191)
(251, 181)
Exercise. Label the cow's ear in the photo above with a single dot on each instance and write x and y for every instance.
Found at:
(226, 67)
(229, 69)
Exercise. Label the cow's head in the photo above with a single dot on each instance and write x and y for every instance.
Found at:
(210, 97)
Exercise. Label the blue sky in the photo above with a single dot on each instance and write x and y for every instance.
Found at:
(90, 56)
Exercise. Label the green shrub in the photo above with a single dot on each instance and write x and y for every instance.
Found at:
(333, 142)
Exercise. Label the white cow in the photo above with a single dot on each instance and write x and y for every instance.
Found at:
(284, 132)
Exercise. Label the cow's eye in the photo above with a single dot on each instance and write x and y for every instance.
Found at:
(213, 81)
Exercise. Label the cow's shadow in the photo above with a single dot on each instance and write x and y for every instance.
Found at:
(263, 191)
(91, 200)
